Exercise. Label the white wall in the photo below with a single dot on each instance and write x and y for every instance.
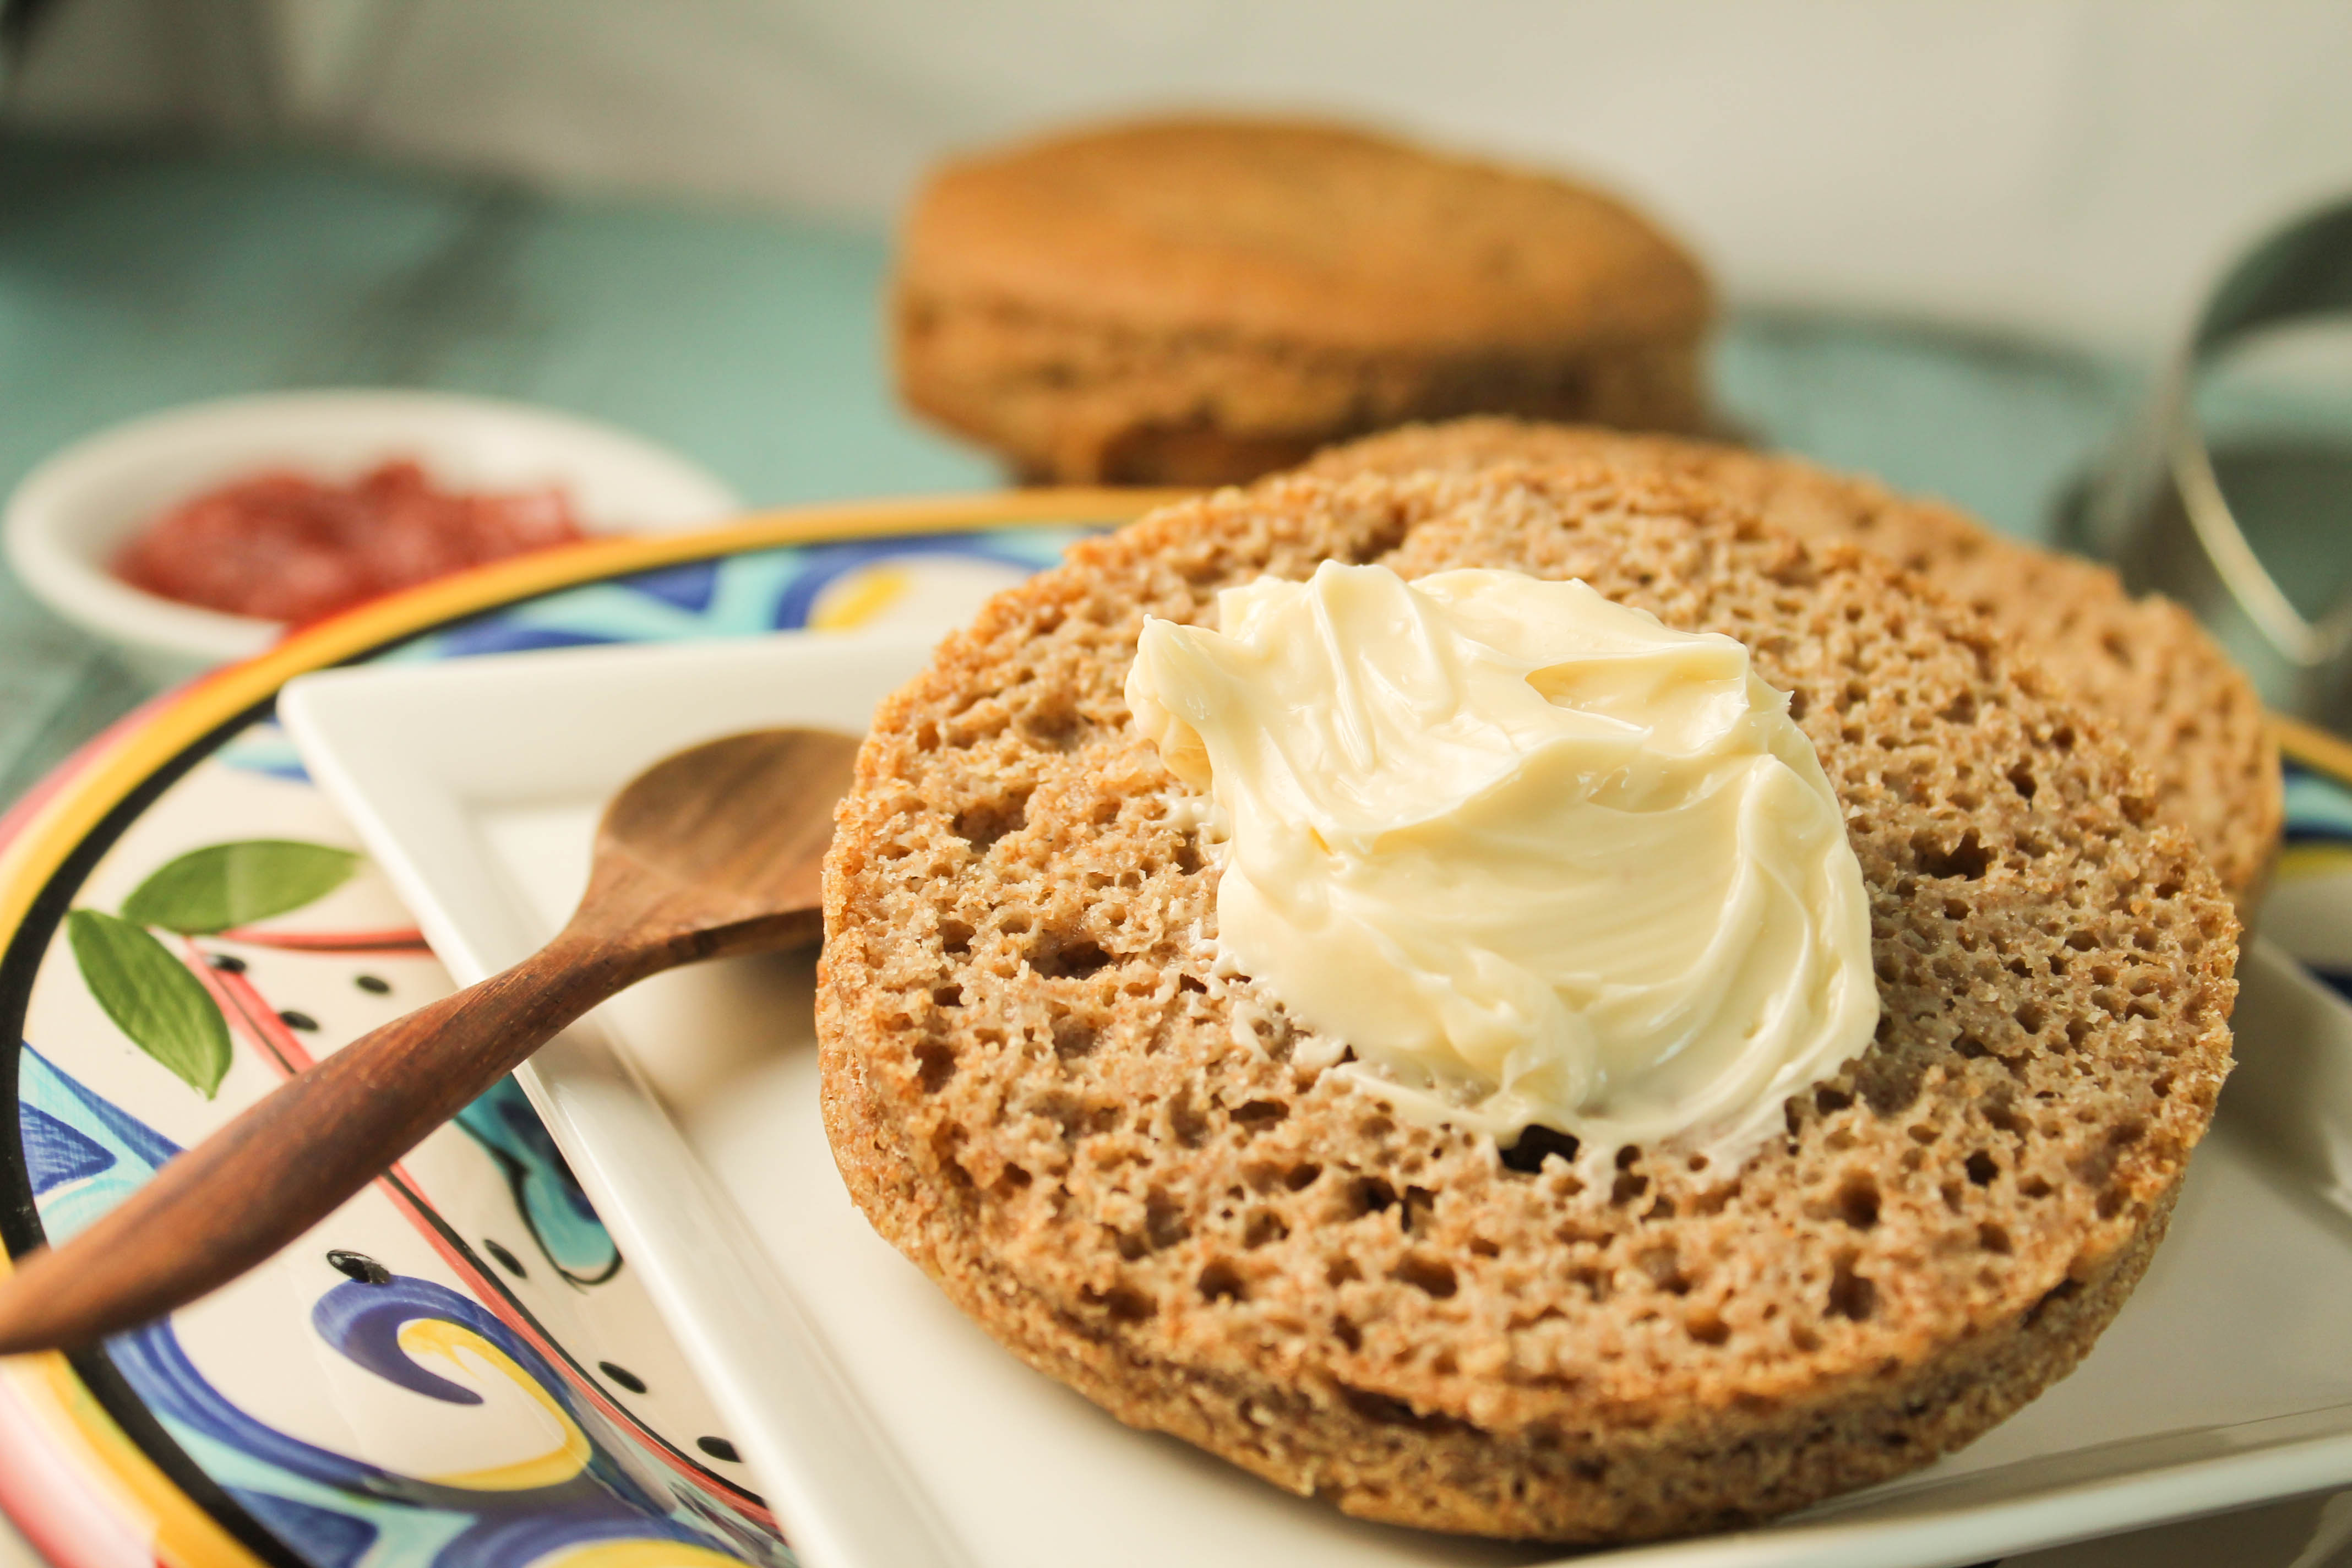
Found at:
(2071, 166)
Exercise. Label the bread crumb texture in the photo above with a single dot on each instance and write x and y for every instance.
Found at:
(1143, 1181)
(2144, 666)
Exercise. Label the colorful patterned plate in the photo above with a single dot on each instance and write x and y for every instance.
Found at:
(459, 1367)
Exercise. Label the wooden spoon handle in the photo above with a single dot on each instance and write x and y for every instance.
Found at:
(284, 1164)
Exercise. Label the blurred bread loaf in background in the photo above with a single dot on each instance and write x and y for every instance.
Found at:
(1195, 301)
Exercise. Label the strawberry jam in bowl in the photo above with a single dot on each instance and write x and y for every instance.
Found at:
(282, 546)
(195, 537)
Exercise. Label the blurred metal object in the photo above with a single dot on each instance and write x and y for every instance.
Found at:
(2163, 511)
(18, 18)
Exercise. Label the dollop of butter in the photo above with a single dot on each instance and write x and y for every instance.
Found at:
(1535, 857)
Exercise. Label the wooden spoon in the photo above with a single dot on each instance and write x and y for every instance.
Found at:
(713, 851)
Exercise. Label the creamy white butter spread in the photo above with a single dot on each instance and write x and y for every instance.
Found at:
(1535, 857)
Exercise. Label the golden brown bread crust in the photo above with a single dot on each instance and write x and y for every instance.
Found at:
(1140, 1179)
(2143, 665)
(1195, 301)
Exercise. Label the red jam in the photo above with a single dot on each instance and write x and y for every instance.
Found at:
(283, 546)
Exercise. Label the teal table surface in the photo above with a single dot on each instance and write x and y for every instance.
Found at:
(134, 279)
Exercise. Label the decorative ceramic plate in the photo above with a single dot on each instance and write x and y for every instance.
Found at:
(460, 1368)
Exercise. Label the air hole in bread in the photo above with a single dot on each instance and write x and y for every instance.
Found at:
(934, 1065)
(1300, 1177)
(948, 997)
(1123, 1302)
(1074, 1038)
(1056, 728)
(1828, 1100)
(955, 938)
(1369, 1194)
(1664, 1268)
(1996, 1108)
(2020, 779)
(1347, 1333)
(1852, 1295)
(2030, 1016)
(2034, 1187)
(1708, 1328)
(1378, 541)
(1629, 1185)
(1221, 1281)
(1982, 1168)
(1163, 1220)
(1419, 1208)
(1430, 1276)
(1993, 1239)
(1857, 1202)
(1067, 956)
(984, 823)
(1961, 710)
(1186, 1121)
(1383, 1410)
(1263, 1225)
(1714, 1200)
(1966, 859)
(1260, 1113)
(1341, 1271)
(1536, 1145)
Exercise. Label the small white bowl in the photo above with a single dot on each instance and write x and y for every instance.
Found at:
(67, 519)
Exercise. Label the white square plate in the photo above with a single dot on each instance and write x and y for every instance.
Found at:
(890, 1433)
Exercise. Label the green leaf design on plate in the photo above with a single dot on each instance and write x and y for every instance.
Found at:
(224, 885)
(151, 997)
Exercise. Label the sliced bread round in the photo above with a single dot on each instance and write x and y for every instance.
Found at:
(1147, 1182)
(1199, 299)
